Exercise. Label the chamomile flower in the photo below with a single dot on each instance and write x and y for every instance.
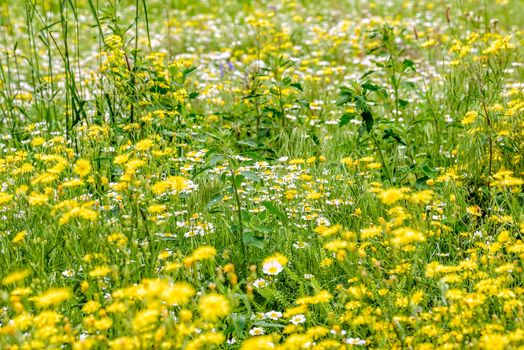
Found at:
(272, 268)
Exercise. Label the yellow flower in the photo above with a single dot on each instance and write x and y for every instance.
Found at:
(429, 43)
(406, 235)
(391, 196)
(5, 198)
(19, 237)
(201, 253)
(421, 197)
(178, 294)
(52, 297)
(91, 307)
(100, 271)
(37, 141)
(36, 199)
(213, 307)
(82, 167)
(469, 118)
(14, 277)
(281, 259)
(325, 231)
(145, 320)
(321, 297)
(172, 183)
(144, 145)
(264, 342)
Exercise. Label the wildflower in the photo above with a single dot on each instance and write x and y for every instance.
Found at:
(100, 271)
(391, 196)
(91, 307)
(15, 277)
(272, 268)
(326, 231)
(429, 43)
(259, 283)
(355, 341)
(173, 183)
(406, 235)
(298, 319)
(421, 197)
(52, 297)
(145, 320)
(321, 297)
(258, 343)
(273, 315)
(277, 257)
(256, 331)
(82, 168)
(19, 237)
(300, 245)
(144, 145)
(5, 198)
(199, 254)
(469, 118)
(178, 294)
(213, 306)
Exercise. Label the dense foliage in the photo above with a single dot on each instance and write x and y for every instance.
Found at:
(268, 174)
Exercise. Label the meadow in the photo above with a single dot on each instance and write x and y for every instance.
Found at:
(238, 174)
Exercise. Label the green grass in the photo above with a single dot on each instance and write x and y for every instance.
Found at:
(332, 175)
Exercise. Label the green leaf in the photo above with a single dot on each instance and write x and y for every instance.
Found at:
(248, 142)
(429, 172)
(367, 117)
(346, 118)
(188, 71)
(369, 86)
(408, 64)
(214, 201)
(215, 158)
(297, 86)
(250, 175)
(263, 229)
(270, 207)
(403, 103)
(268, 324)
(389, 133)
(255, 241)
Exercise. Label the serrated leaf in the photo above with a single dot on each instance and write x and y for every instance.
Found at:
(247, 142)
(297, 86)
(408, 64)
(367, 118)
(369, 86)
(270, 207)
(214, 201)
(255, 241)
(346, 118)
(268, 324)
(215, 158)
(250, 175)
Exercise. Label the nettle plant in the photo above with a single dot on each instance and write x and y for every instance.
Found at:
(368, 100)
(273, 96)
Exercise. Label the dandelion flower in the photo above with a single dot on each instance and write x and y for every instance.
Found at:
(82, 167)
(213, 307)
(52, 297)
